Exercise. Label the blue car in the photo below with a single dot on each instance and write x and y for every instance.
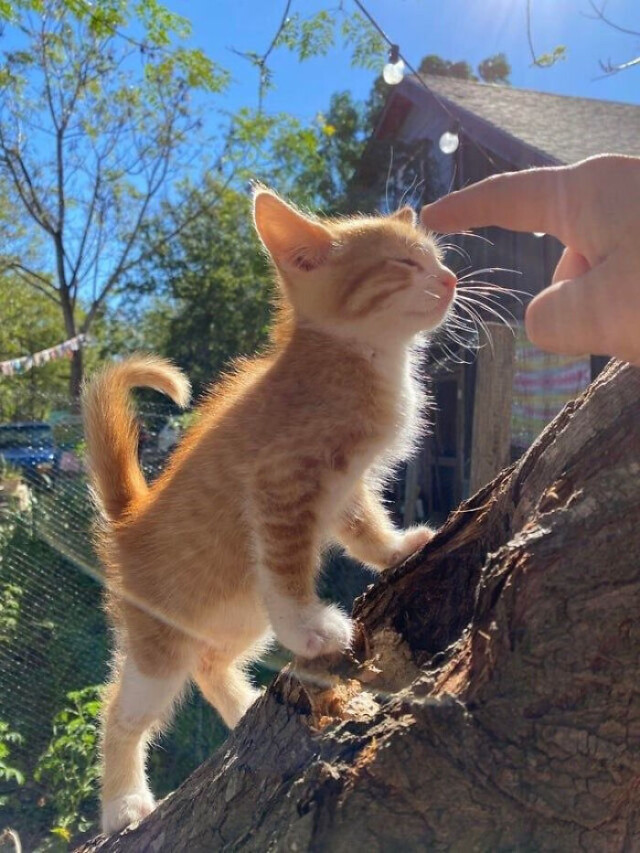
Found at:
(30, 447)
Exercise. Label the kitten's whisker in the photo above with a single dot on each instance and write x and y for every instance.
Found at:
(430, 293)
(418, 191)
(494, 291)
(469, 234)
(482, 295)
(450, 247)
(482, 298)
(458, 339)
(407, 191)
(490, 310)
(455, 324)
(386, 186)
(479, 283)
(454, 357)
(477, 319)
(494, 269)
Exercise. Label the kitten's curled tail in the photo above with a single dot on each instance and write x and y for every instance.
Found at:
(111, 427)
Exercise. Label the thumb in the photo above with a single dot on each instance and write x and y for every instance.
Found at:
(575, 316)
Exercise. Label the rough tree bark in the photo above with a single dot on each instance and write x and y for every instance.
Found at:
(492, 700)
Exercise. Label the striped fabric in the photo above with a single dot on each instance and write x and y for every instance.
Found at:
(543, 383)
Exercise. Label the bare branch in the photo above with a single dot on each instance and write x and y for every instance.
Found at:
(534, 57)
(158, 175)
(23, 183)
(153, 247)
(599, 15)
(80, 255)
(260, 62)
(35, 281)
(610, 69)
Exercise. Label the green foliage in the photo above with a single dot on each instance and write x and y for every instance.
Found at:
(8, 773)
(52, 635)
(316, 35)
(97, 123)
(367, 45)
(546, 60)
(10, 597)
(30, 322)
(69, 766)
(213, 302)
(433, 64)
(307, 37)
(341, 136)
(493, 69)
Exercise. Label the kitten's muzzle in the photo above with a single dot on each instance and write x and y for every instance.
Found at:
(448, 280)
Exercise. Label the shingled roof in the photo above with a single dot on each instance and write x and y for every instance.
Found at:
(563, 129)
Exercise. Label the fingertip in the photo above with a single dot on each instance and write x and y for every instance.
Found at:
(429, 217)
(437, 216)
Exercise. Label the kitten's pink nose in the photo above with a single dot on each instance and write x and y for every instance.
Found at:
(448, 279)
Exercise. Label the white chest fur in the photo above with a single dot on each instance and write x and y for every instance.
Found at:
(409, 403)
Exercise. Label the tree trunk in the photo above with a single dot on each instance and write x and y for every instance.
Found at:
(491, 702)
(77, 373)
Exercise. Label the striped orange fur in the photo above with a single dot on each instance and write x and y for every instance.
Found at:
(289, 454)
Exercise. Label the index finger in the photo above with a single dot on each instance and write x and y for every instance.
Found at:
(532, 200)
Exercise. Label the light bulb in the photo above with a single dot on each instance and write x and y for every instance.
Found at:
(449, 142)
(393, 72)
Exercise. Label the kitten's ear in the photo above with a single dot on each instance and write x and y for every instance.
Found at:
(290, 237)
(406, 214)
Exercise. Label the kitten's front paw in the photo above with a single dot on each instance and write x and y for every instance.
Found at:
(409, 542)
(122, 811)
(314, 630)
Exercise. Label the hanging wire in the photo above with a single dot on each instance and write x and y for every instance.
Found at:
(394, 46)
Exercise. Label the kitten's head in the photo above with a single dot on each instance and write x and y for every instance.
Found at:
(376, 278)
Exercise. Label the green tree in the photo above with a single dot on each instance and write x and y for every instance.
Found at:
(493, 69)
(104, 94)
(211, 296)
(93, 129)
(433, 64)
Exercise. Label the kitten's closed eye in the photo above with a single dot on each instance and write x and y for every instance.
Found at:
(409, 262)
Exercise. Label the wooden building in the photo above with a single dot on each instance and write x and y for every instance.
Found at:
(484, 417)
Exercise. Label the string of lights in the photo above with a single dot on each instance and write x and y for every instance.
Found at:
(393, 74)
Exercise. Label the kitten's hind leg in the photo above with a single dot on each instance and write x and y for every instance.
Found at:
(137, 705)
(225, 685)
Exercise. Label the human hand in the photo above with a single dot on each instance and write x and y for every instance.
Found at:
(593, 207)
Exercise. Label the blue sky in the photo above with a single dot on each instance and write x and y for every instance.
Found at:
(455, 29)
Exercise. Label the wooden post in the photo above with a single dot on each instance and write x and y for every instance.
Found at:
(492, 406)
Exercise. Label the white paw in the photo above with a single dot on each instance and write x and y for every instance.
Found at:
(125, 810)
(409, 542)
(317, 629)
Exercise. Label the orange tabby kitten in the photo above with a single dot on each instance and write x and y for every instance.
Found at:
(289, 455)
